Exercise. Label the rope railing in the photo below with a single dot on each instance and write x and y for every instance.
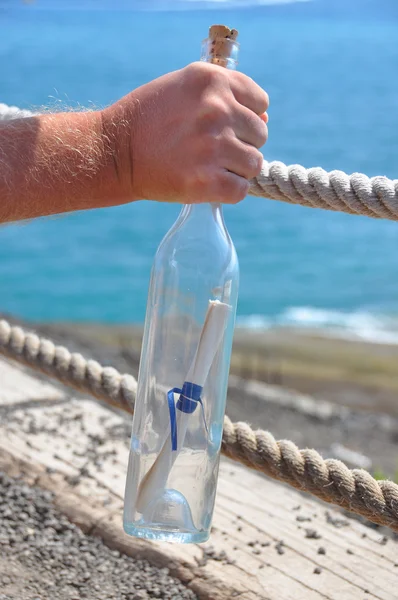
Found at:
(355, 194)
(87, 376)
(330, 480)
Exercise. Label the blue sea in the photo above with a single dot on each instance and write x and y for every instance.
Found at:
(331, 70)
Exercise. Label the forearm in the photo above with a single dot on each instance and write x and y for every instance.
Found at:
(190, 136)
(56, 163)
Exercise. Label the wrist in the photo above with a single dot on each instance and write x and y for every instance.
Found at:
(84, 150)
(116, 131)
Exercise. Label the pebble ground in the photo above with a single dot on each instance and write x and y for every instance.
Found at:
(45, 557)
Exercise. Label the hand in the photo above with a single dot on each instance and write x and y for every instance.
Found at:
(191, 136)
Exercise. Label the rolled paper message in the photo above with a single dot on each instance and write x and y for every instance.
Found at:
(154, 482)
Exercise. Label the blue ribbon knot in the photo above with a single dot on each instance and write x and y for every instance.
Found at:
(190, 397)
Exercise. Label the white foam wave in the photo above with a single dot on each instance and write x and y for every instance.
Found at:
(358, 325)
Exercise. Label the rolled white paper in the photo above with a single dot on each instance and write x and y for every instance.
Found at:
(212, 333)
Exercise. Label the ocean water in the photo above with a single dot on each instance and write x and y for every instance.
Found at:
(331, 72)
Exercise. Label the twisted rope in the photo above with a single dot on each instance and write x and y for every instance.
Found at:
(355, 194)
(71, 368)
(330, 480)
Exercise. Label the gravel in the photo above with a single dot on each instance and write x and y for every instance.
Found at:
(312, 534)
(43, 556)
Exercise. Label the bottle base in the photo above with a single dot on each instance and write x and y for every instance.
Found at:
(166, 535)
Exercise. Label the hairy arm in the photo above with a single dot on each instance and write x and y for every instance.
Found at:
(189, 136)
(56, 163)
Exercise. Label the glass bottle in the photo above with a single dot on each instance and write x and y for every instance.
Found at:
(183, 377)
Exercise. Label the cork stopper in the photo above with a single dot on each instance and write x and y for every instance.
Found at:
(222, 31)
(222, 46)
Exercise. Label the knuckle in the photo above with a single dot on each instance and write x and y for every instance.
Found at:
(197, 182)
(211, 148)
(241, 78)
(252, 161)
(256, 129)
(263, 133)
(215, 111)
(261, 96)
(218, 107)
(207, 150)
(256, 161)
(195, 70)
(262, 99)
(202, 75)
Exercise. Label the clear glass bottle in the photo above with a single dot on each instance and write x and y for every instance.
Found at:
(182, 383)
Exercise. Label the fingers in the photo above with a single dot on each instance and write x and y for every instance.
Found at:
(231, 188)
(250, 128)
(227, 182)
(248, 93)
(242, 159)
(215, 184)
(252, 118)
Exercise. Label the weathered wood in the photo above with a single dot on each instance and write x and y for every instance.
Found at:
(16, 385)
(259, 548)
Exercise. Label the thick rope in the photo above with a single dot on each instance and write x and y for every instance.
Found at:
(88, 376)
(355, 194)
(330, 480)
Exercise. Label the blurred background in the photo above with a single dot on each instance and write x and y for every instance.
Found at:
(318, 309)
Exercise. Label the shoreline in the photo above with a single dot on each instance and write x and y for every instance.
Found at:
(349, 372)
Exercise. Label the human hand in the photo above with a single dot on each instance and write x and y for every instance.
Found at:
(190, 136)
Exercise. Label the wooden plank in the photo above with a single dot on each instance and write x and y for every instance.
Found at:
(259, 548)
(17, 385)
(343, 566)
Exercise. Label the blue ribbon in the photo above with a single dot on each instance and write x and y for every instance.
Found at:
(187, 403)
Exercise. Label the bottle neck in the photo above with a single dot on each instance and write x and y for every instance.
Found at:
(206, 213)
(222, 52)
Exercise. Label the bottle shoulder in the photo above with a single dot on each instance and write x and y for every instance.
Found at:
(199, 236)
(184, 246)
